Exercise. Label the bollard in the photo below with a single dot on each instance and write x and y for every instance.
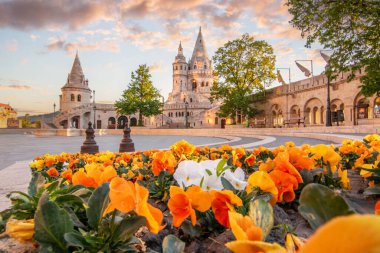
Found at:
(89, 145)
(126, 144)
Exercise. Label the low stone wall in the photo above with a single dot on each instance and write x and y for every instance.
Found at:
(17, 130)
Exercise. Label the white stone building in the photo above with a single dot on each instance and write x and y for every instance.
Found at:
(192, 81)
(77, 107)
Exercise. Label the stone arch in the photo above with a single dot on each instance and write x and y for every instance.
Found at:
(376, 107)
(216, 121)
(111, 123)
(79, 98)
(122, 121)
(75, 122)
(295, 111)
(72, 97)
(133, 121)
(313, 111)
(336, 104)
(277, 115)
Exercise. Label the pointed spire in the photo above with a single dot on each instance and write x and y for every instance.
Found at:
(76, 76)
(180, 57)
(180, 49)
(200, 52)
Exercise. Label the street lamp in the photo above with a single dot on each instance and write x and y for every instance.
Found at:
(287, 90)
(54, 112)
(186, 104)
(162, 112)
(328, 107)
(94, 106)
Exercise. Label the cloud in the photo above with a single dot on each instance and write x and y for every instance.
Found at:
(34, 37)
(29, 14)
(24, 61)
(15, 87)
(82, 45)
(12, 46)
(155, 67)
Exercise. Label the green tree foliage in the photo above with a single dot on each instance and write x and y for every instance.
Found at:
(350, 28)
(243, 66)
(140, 96)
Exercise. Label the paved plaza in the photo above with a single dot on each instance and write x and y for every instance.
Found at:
(17, 150)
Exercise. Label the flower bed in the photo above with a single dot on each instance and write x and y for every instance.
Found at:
(191, 199)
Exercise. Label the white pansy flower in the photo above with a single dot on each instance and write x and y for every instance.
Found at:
(237, 178)
(212, 182)
(188, 173)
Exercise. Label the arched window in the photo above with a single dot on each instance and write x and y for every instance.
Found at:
(184, 100)
(363, 105)
(194, 85)
(191, 100)
(205, 66)
(206, 83)
(203, 84)
(176, 67)
(195, 66)
(79, 98)
(72, 97)
(376, 108)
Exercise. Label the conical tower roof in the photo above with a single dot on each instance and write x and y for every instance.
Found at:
(200, 52)
(180, 57)
(76, 76)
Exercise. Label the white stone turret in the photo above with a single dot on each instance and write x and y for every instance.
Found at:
(76, 91)
(180, 69)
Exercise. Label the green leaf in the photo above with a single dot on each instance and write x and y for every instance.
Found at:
(227, 185)
(69, 199)
(75, 239)
(220, 167)
(36, 183)
(172, 244)
(127, 228)
(97, 204)
(261, 213)
(51, 224)
(319, 204)
(188, 229)
(375, 190)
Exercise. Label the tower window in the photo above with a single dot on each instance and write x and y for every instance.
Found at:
(191, 100)
(181, 67)
(72, 97)
(79, 98)
(206, 83)
(189, 67)
(176, 68)
(184, 100)
(195, 66)
(203, 84)
(205, 66)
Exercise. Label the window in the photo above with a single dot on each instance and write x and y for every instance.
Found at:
(191, 100)
(195, 66)
(72, 97)
(79, 98)
(376, 108)
(206, 83)
(176, 67)
(205, 66)
(363, 105)
(203, 84)
(184, 100)
(181, 67)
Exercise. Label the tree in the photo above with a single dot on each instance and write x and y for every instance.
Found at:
(140, 96)
(350, 28)
(243, 66)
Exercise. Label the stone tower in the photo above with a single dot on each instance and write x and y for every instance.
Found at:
(76, 91)
(180, 69)
(189, 100)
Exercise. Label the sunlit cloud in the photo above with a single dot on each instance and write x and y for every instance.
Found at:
(15, 87)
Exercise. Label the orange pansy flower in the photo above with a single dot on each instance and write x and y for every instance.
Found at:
(243, 228)
(126, 196)
(283, 164)
(182, 204)
(81, 178)
(286, 184)
(222, 202)
(250, 160)
(67, 174)
(262, 180)
(300, 159)
(163, 160)
(52, 172)
(377, 208)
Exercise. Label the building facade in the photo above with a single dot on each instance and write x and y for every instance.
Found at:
(188, 102)
(308, 99)
(8, 117)
(77, 107)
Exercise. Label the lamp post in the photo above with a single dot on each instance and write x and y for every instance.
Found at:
(162, 112)
(186, 104)
(54, 112)
(94, 106)
(287, 93)
(328, 106)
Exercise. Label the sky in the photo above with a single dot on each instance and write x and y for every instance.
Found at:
(39, 39)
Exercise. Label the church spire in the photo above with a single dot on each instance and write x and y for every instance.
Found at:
(180, 49)
(76, 76)
(200, 52)
(180, 57)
